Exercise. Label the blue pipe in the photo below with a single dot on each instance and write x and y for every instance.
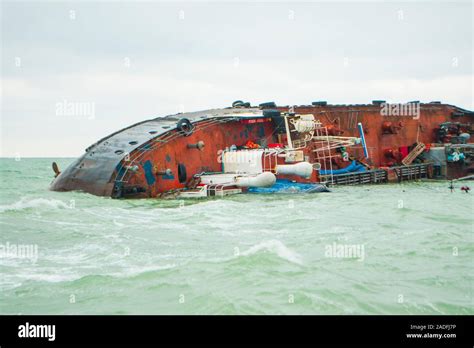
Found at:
(351, 168)
(362, 139)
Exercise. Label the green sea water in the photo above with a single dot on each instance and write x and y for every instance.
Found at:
(387, 249)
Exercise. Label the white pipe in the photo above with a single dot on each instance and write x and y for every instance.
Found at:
(288, 135)
(464, 178)
(265, 179)
(303, 169)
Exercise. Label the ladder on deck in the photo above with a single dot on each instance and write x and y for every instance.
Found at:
(419, 148)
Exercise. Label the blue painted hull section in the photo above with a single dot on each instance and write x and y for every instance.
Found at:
(287, 186)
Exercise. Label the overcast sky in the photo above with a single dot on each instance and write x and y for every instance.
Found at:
(134, 61)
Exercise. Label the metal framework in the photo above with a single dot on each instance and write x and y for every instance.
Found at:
(323, 151)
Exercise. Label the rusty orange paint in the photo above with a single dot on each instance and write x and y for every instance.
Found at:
(383, 146)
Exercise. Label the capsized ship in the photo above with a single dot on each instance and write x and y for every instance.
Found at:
(270, 148)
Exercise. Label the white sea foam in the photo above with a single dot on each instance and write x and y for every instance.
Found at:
(67, 275)
(139, 270)
(277, 247)
(34, 203)
(12, 280)
(118, 224)
(51, 278)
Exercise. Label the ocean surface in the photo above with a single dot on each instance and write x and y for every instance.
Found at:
(387, 249)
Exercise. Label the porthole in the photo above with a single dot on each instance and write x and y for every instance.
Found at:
(119, 152)
(133, 142)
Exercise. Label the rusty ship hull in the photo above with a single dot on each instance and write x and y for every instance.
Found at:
(168, 154)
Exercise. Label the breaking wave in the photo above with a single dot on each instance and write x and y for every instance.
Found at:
(276, 247)
(24, 203)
